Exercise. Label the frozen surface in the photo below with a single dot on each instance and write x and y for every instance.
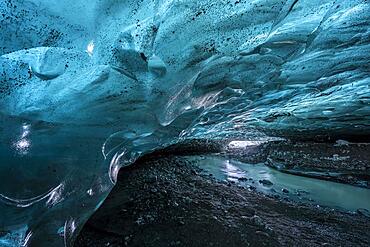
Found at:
(89, 86)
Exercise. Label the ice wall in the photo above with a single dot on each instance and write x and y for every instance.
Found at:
(89, 86)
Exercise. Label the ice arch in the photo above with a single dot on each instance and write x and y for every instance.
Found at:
(87, 87)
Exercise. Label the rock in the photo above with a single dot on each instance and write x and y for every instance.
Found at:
(154, 190)
(363, 212)
(252, 188)
(257, 220)
(265, 234)
(341, 143)
(140, 221)
(265, 182)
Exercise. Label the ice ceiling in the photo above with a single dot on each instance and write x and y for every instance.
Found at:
(89, 86)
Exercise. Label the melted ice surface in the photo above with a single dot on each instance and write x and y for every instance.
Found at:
(273, 182)
(89, 86)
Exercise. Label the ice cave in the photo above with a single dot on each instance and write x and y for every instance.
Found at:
(184, 123)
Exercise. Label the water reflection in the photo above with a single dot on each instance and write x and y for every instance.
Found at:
(232, 172)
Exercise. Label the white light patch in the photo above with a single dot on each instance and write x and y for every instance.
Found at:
(90, 192)
(90, 48)
(244, 144)
(23, 144)
(25, 130)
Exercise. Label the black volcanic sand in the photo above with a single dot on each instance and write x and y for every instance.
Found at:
(163, 200)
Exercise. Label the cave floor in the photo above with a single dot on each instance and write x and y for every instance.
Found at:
(167, 201)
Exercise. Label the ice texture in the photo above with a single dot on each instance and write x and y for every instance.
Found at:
(89, 86)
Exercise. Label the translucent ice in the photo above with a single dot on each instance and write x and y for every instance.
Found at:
(89, 86)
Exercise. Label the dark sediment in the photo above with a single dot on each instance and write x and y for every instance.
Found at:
(341, 161)
(166, 201)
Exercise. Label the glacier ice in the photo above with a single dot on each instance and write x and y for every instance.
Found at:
(88, 86)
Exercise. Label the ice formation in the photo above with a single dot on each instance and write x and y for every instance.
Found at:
(89, 86)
